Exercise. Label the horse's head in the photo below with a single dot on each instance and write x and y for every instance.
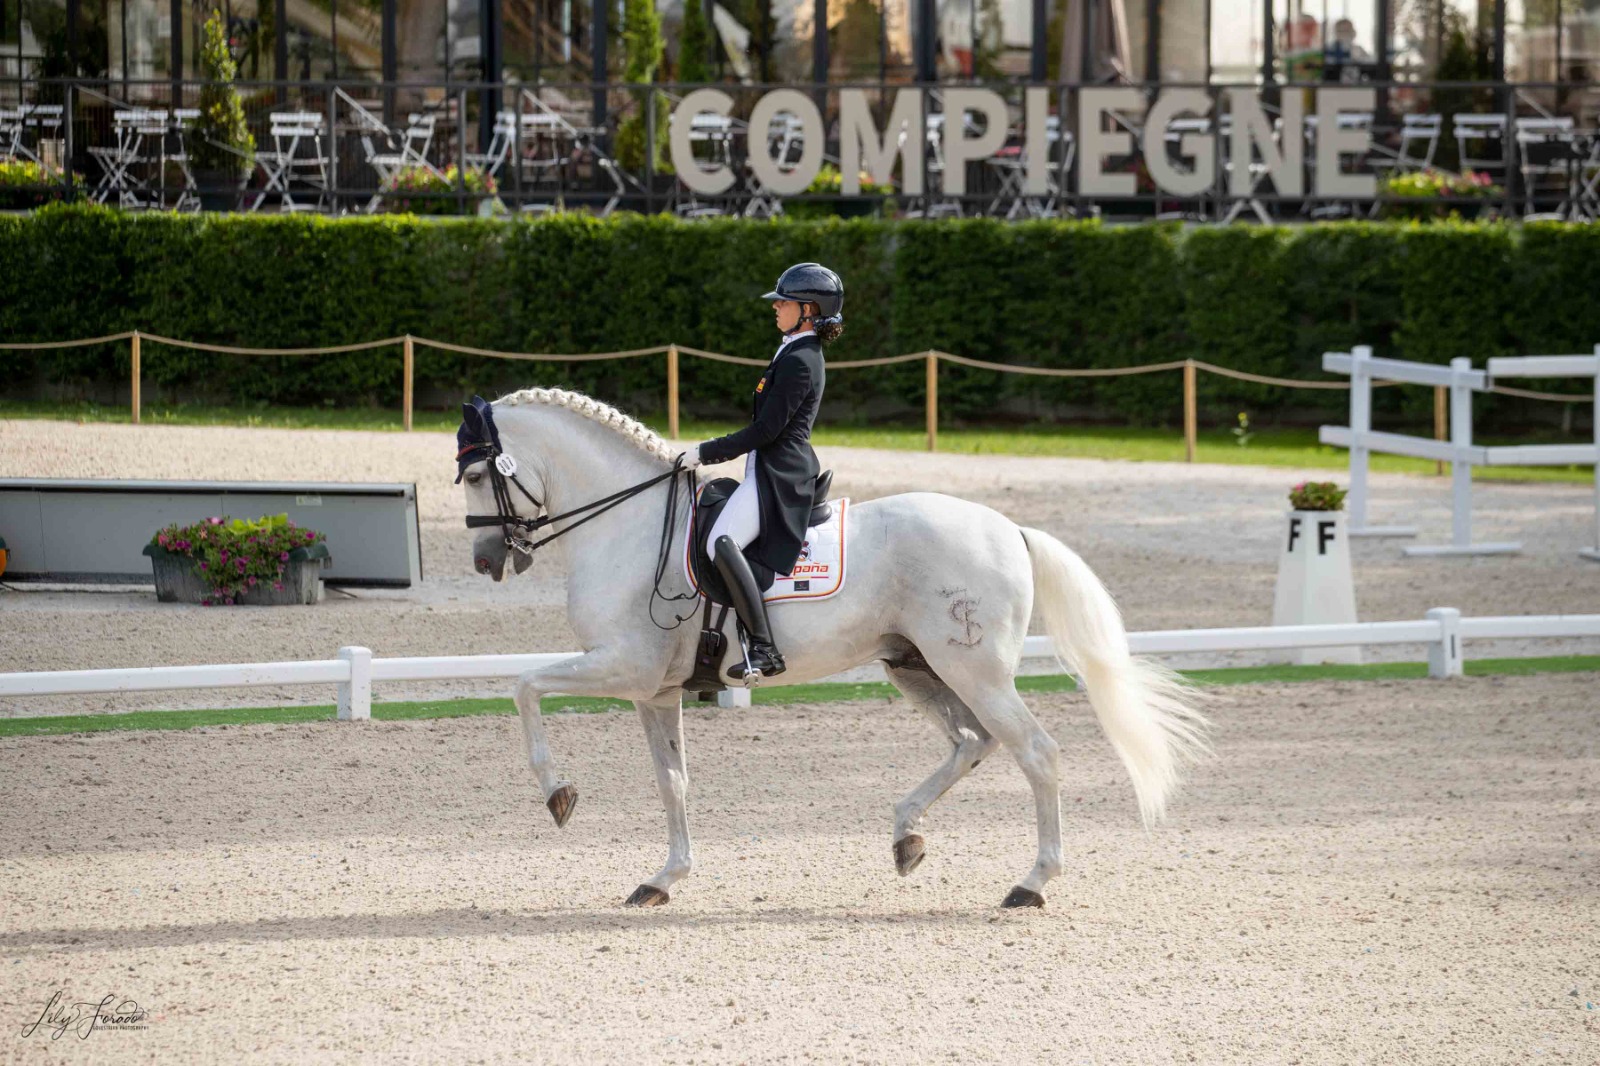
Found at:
(482, 464)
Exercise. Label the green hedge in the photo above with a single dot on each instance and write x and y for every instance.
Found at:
(1068, 294)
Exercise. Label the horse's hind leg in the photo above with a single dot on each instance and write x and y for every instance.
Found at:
(986, 686)
(970, 744)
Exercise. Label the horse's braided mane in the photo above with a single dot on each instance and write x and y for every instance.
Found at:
(635, 432)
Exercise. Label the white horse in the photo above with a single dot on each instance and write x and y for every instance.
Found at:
(940, 590)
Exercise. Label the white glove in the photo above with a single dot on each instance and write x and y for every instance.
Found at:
(691, 458)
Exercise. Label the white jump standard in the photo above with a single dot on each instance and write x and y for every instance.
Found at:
(1458, 451)
(1555, 366)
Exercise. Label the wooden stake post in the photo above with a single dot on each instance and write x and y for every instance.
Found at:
(933, 402)
(672, 391)
(134, 392)
(406, 393)
(1190, 412)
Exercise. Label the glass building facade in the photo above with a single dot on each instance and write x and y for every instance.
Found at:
(864, 41)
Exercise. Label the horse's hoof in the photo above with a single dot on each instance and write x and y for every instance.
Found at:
(561, 803)
(1023, 897)
(647, 896)
(908, 854)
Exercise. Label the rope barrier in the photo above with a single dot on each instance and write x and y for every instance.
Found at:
(542, 358)
(1557, 397)
(1059, 372)
(227, 349)
(42, 345)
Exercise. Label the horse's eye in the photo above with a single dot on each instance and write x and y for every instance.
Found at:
(474, 478)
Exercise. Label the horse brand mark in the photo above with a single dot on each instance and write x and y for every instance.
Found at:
(961, 610)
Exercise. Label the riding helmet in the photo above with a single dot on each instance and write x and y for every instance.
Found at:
(811, 283)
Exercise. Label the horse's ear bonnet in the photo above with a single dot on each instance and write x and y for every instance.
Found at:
(477, 439)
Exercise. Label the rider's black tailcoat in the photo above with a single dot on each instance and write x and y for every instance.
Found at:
(786, 402)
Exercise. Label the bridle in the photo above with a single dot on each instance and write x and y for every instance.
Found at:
(503, 470)
(516, 527)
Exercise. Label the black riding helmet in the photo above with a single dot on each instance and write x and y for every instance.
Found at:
(812, 283)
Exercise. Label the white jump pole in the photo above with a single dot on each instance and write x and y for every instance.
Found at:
(1461, 474)
(1360, 426)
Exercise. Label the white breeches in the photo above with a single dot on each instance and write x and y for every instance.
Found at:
(741, 519)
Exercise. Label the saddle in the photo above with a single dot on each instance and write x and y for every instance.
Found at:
(706, 677)
(713, 498)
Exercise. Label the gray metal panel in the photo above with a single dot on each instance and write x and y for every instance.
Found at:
(95, 530)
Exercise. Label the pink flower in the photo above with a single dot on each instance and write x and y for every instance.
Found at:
(224, 556)
(203, 564)
(214, 521)
(205, 603)
(310, 535)
(229, 601)
(239, 563)
(252, 581)
(278, 585)
(162, 540)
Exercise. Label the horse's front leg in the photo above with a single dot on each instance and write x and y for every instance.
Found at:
(609, 671)
(663, 727)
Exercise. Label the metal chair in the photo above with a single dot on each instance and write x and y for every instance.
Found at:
(1481, 142)
(505, 134)
(1544, 150)
(413, 147)
(288, 163)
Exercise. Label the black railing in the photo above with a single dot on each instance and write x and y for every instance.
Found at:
(467, 147)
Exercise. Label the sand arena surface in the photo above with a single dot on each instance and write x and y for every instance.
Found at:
(1379, 872)
(1179, 546)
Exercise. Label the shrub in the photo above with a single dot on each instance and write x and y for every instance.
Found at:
(235, 555)
(25, 184)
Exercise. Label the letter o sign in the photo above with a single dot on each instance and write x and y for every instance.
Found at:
(773, 178)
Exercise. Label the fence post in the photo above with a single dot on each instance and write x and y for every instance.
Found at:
(1460, 470)
(1360, 426)
(1444, 658)
(407, 397)
(1593, 554)
(1440, 430)
(134, 392)
(355, 695)
(933, 402)
(1191, 415)
(672, 390)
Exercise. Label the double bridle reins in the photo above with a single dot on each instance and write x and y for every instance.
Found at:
(503, 474)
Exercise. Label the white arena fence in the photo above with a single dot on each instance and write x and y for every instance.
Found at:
(1461, 381)
(354, 671)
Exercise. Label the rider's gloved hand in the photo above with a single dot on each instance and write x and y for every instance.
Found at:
(691, 458)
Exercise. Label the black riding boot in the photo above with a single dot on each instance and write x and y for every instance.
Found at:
(764, 660)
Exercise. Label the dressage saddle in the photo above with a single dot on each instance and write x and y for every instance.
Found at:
(713, 498)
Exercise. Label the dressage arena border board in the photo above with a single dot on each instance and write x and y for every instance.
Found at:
(931, 358)
(1443, 630)
(1460, 380)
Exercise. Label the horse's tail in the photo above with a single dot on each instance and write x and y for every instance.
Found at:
(1147, 711)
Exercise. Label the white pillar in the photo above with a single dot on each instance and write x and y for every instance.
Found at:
(355, 695)
(1445, 658)
(733, 697)
(1315, 584)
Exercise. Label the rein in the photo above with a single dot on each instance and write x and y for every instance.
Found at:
(508, 519)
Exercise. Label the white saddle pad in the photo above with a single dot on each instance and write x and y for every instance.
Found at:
(819, 572)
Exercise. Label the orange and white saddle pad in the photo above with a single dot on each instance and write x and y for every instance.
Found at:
(818, 573)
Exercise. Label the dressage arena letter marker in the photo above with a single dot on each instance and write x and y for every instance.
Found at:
(959, 149)
(1315, 583)
(1098, 142)
(698, 178)
(1294, 531)
(860, 147)
(774, 178)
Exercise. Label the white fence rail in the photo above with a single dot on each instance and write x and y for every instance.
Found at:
(1459, 451)
(355, 670)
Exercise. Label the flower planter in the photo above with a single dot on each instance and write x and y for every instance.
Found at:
(220, 190)
(179, 580)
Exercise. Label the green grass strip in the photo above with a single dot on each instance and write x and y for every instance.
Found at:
(820, 692)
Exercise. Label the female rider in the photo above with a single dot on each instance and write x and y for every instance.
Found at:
(768, 512)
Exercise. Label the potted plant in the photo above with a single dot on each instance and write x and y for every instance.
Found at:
(420, 190)
(1436, 194)
(1315, 583)
(222, 151)
(830, 182)
(220, 561)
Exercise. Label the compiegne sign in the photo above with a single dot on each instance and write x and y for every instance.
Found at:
(1191, 170)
